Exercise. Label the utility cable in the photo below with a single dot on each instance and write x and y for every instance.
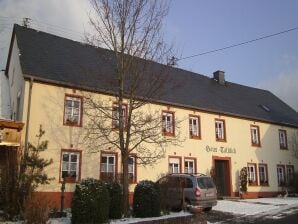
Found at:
(237, 44)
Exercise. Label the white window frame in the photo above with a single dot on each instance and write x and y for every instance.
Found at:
(187, 166)
(116, 118)
(282, 139)
(67, 166)
(254, 131)
(280, 175)
(251, 174)
(108, 167)
(220, 130)
(194, 126)
(72, 114)
(168, 122)
(132, 168)
(174, 165)
(264, 172)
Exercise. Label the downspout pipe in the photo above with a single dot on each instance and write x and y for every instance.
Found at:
(28, 115)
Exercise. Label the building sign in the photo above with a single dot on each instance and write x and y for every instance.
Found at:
(220, 149)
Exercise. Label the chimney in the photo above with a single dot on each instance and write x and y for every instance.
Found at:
(219, 76)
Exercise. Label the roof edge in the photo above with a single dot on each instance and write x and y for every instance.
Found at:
(10, 49)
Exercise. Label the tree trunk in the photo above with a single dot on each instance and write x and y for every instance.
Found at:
(125, 184)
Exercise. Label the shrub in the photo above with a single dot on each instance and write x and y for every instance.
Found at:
(90, 202)
(243, 179)
(36, 211)
(146, 202)
(115, 191)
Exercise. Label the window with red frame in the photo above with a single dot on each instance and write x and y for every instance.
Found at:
(281, 180)
(194, 127)
(283, 139)
(189, 166)
(132, 169)
(108, 166)
(70, 165)
(168, 123)
(255, 135)
(263, 174)
(174, 165)
(252, 174)
(220, 130)
(72, 110)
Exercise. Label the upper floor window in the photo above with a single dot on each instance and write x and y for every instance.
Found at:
(263, 174)
(168, 123)
(116, 117)
(220, 130)
(280, 175)
(73, 110)
(70, 165)
(283, 139)
(255, 135)
(252, 174)
(194, 127)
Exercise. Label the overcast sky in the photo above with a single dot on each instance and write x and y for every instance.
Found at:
(194, 26)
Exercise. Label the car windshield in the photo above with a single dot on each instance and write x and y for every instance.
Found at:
(205, 182)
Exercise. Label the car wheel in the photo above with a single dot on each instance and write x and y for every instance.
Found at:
(208, 209)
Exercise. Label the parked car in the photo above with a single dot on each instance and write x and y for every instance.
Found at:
(196, 189)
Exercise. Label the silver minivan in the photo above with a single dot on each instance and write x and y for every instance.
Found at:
(196, 189)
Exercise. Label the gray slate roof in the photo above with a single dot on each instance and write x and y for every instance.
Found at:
(58, 60)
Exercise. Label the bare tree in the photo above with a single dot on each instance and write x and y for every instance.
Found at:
(126, 121)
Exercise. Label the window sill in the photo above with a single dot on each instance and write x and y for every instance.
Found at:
(221, 140)
(265, 185)
(195, 137)
(69, 180)
(253, 185)
(168, 134)
(72, 125)
(256, 145)
(283, 148)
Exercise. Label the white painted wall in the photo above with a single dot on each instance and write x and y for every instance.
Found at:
(4, 97)
(16, 83)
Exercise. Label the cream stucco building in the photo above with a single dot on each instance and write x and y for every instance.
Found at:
(224, 125)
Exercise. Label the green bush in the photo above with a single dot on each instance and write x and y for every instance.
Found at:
(115, 192)
(146, 202)
(90, 203)
(243, 180)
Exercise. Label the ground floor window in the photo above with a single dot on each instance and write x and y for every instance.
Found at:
(290, 175)
(70, 165)
(132, 169)
(280, 175)
(263, 174)
(252, 175)
(174, 165)
(189, 166)
(108, 166)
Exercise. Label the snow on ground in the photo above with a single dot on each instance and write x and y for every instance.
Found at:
(136, 220)
(255, 206)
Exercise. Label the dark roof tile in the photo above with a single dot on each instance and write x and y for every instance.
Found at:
(57, 59)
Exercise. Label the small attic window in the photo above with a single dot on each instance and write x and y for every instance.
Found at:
(264, 107)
